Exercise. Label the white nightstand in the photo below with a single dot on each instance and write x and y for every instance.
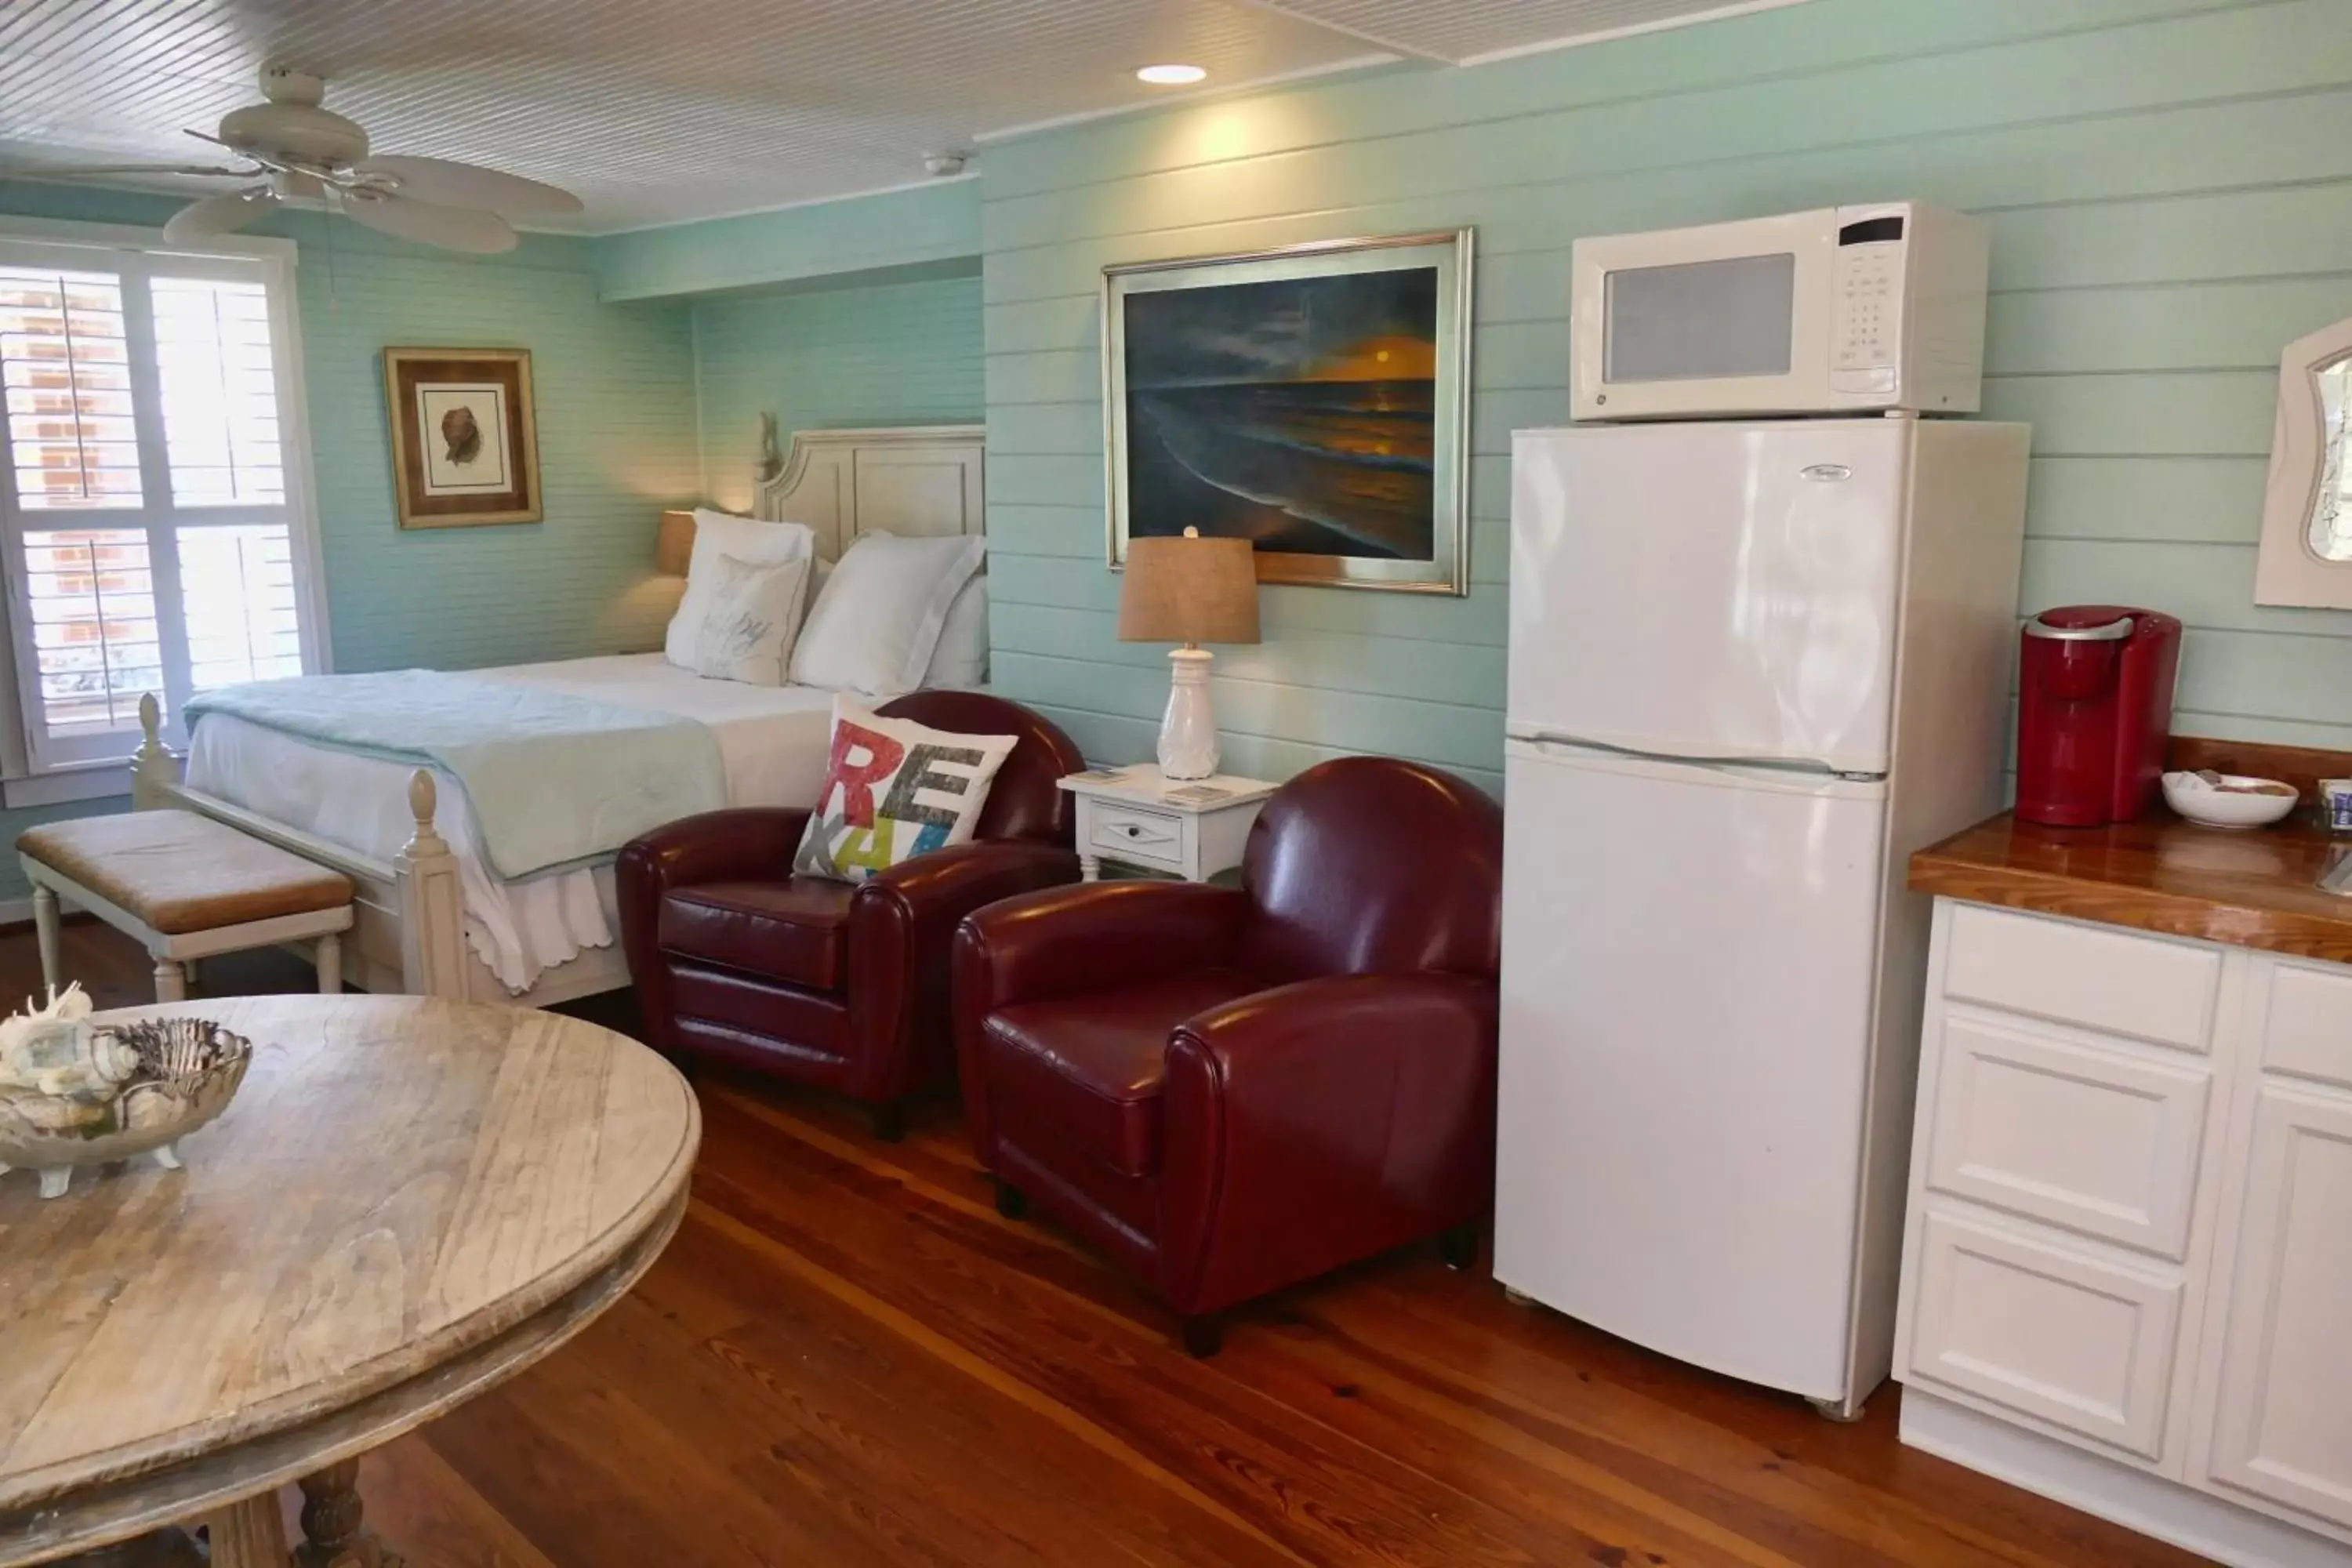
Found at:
(1132, 814)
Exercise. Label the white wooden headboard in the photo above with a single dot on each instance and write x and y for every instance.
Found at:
(918, 481)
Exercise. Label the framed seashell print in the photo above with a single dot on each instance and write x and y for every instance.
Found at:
(465, 439)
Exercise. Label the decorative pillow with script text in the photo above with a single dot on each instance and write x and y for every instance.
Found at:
(895, 789)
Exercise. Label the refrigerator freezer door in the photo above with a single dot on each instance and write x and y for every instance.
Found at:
(1687, 988)
(1724, 589)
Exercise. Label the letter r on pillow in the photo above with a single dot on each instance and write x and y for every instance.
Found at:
(856, 780)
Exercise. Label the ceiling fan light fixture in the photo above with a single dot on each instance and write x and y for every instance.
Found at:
(1172, 74)
(301, 151)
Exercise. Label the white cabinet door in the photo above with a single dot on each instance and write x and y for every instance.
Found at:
(2283, 1416)
(2046, 1330)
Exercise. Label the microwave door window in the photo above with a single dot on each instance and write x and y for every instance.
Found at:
(1701, 320)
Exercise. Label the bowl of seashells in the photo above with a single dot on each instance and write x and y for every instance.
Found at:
(75, 1093)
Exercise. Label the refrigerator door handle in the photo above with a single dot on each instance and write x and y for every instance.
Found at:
(1558, 745)
(1730, 772)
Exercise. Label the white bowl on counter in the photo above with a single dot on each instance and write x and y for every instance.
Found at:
(2236, 800)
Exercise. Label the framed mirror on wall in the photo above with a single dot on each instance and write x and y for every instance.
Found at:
(2307, 555)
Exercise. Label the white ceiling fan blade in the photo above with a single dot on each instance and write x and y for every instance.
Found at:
(453, 185)
(451, 229)
(216, 215)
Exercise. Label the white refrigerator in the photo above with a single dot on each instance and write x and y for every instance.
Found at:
(1753, 666)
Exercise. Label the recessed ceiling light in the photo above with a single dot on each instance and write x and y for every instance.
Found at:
(1170, 75)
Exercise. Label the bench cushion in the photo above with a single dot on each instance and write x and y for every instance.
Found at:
(180, 872)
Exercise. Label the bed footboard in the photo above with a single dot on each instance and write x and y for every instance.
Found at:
(410, 918)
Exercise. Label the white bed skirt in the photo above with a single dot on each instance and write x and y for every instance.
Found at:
(517, 929)
(773, 741)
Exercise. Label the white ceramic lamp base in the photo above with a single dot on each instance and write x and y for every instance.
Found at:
(1188, 734)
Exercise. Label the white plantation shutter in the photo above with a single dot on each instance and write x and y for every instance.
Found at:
(220, 391)
(151, 545)
(68, 378)
(238, 597)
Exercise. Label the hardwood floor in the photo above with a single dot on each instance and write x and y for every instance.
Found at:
(847, 1357)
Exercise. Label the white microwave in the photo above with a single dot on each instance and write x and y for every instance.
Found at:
(1842, 310)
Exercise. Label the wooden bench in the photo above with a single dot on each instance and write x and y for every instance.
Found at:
(187, 888)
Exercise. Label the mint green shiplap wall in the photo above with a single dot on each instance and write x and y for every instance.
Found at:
(921, 225)
(894, 354)
(615, 390)
(2170, 185)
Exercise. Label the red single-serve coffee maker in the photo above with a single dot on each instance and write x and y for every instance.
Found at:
(2094, 713)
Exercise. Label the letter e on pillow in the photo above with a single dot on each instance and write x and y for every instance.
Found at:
(922, 775)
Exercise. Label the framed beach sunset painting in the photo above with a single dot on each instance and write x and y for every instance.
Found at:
(1313, 400)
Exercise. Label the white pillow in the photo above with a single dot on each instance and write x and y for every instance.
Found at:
(750, 615)
(747, 540)
(873, 629)
(961, 661)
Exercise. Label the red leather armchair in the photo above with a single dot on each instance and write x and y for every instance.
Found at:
(829, 982)
(1230, 1089)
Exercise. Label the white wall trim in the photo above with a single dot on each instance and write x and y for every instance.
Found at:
(1631, 30)
(74, 231)
(1190, 100)
(1325, 24)
(922, 184)
(296, 453)
(104, 781)
(2136, 1499)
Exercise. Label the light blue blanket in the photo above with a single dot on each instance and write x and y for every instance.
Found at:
(552, 779)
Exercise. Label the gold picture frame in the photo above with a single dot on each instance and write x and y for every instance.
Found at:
(1314, 399)
(465, 436)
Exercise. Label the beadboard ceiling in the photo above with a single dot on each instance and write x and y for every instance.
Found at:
(664, 111)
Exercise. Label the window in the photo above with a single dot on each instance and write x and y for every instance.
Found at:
(155, 537)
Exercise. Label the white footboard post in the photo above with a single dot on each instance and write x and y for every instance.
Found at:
(154, 766)
(431, 908)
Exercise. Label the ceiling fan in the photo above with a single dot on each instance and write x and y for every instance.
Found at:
(291, 148)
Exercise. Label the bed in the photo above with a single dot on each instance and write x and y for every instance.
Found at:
(432, 917)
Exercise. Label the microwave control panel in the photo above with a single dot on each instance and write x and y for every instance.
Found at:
(1867, 338)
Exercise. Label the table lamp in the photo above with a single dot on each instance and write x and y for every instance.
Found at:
(1189, 590)
(674, 543)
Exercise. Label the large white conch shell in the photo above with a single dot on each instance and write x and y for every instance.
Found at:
(50, 1050)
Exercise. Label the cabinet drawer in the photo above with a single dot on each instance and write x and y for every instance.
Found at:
(2144, 986)
(2310, 1029)
(1134, 834)
(2082, 1344)
(2094, 1140)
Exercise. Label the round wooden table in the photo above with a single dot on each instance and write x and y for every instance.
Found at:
(408, 1201)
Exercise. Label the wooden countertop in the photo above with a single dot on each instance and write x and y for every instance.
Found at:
(2249, 887)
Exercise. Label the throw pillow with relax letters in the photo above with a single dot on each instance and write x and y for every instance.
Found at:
(895, 789)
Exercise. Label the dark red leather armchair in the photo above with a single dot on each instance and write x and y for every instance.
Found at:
(829, 982)
(1230, 1089)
